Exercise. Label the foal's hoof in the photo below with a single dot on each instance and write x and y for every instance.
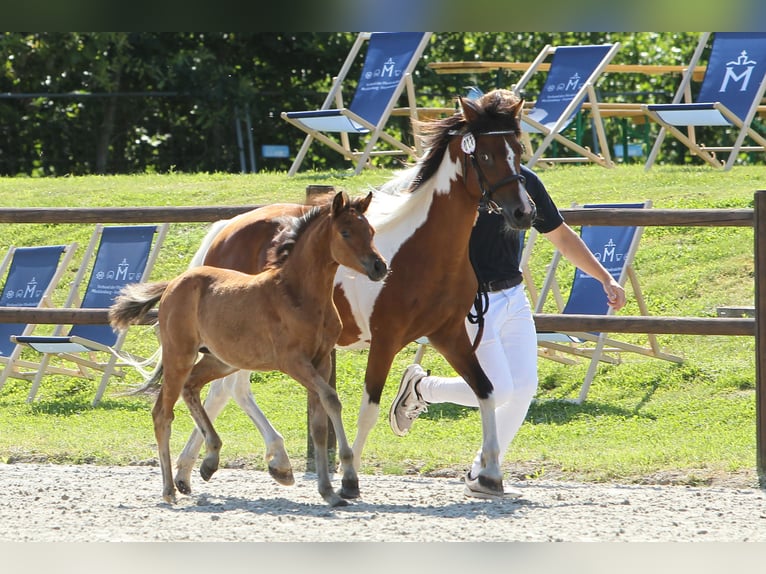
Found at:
(283, 477)
(183, 486)
(333, 499)
(349, 488)
(336, 501)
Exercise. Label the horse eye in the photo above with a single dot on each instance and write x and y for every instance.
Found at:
(344, 233)
(484, 157)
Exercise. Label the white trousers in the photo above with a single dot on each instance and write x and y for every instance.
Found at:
(508, 354)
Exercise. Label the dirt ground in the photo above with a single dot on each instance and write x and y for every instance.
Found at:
(84, 503)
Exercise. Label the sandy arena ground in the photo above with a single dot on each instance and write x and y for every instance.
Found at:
(58, 503)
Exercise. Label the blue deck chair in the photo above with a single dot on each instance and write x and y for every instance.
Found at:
(615, 247)
(33, 274)
(123, 254)
(571, 80)
(387, 71)
(734, 83)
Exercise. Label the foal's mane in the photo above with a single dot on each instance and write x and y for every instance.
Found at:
(495, 112)
(292, 228)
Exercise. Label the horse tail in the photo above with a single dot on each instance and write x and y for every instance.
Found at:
(134, 302)
(151, 384)
(212, 233)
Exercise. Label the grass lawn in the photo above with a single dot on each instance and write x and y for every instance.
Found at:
(644, 420)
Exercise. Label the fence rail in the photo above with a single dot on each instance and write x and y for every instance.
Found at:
(581, 216)
(192, 214)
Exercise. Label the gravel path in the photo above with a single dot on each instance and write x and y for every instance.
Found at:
(44, 502)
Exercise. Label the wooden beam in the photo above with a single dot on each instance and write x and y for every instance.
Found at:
(120, 214)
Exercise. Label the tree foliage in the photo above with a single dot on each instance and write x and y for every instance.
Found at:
(119, 102)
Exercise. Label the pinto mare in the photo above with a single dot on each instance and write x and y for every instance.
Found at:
(423, 219)
(282, 318)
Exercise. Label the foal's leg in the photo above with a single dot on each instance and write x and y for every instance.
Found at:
(236, 385)
(328, 401)
(214, 403)
(349, 481)
(318, 430)
(162, 414)
(206, 370)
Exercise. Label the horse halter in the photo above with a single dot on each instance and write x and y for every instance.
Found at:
(468, 145)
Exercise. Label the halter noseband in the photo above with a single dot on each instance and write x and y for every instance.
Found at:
(468, 145)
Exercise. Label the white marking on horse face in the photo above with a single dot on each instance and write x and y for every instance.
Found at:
(524, 196)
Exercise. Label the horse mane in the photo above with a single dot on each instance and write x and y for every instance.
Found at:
(496, 112)
(291, 228)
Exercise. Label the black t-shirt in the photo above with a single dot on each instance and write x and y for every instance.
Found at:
(495, 249)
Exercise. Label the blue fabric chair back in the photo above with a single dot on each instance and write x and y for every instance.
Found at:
(570, 67)
(611, 246)
(121, 259)
(388, 55)
(30, 273)
(735, 69)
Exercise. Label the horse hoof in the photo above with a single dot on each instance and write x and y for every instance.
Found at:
(349, 489)
(332, 498)
(169, 498)
(484, 487)
(183, 486)
(206, 471)
(283, 477)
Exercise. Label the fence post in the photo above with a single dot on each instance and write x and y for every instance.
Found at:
(760, 333)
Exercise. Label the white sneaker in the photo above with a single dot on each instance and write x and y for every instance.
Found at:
(407, 404)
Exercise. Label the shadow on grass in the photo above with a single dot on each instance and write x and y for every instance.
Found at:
(76, 405)
(562, 411)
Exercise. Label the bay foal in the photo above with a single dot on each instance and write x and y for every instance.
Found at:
(282, 318)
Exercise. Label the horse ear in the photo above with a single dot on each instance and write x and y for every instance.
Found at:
(517, 108)
(365, 203)
(469, 109)
(339, 202)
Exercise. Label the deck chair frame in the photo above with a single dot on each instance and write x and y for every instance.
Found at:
(596, 347)
(326, 118)
(80, 351)
(531, 120)
(14, 366)
(689, 113)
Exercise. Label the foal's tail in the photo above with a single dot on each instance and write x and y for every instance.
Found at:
(134, 302)
(129, 307)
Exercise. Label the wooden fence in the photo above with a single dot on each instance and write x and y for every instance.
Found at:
(602, 216)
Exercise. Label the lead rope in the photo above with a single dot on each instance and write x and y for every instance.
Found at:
(481, 304)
